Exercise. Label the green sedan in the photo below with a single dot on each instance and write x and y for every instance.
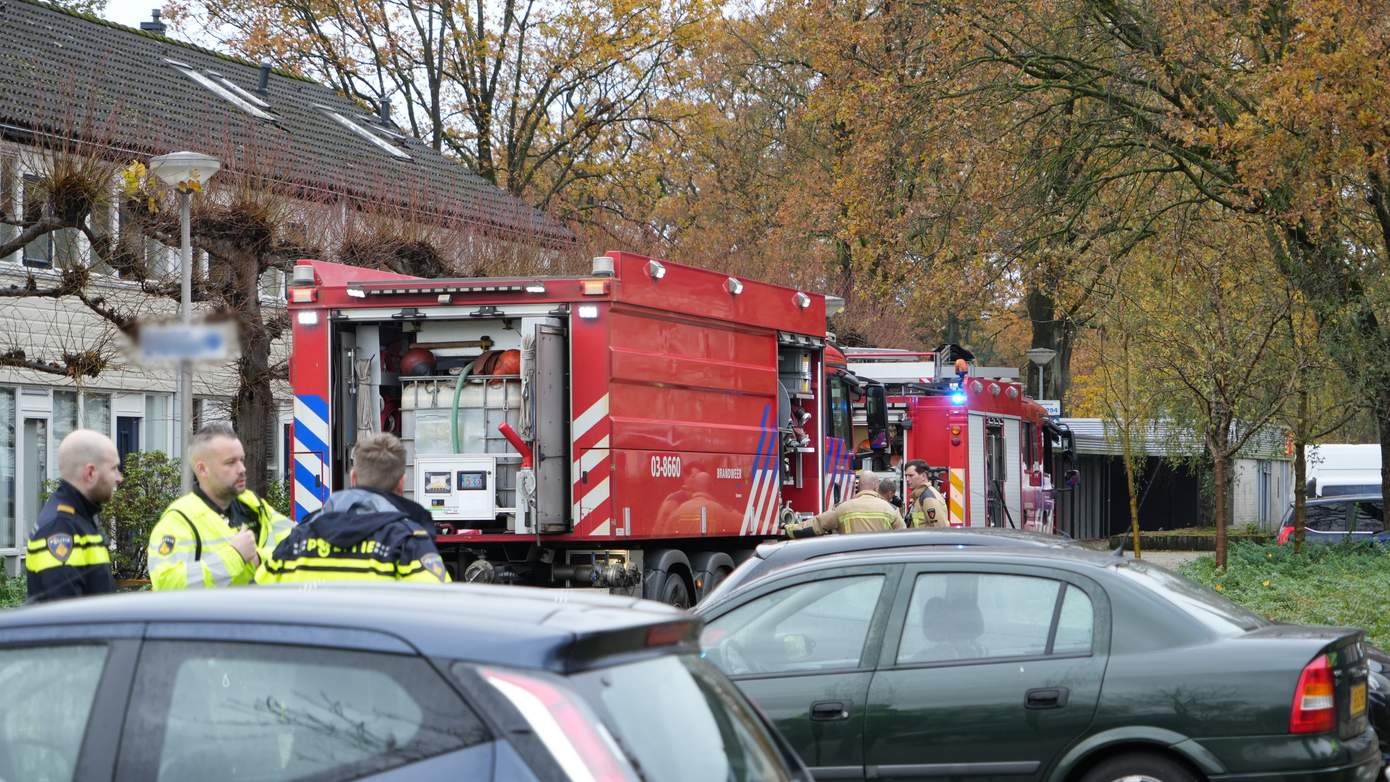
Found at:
(1060, 664)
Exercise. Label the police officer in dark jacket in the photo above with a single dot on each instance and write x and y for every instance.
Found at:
(366, 533)
(67, 555)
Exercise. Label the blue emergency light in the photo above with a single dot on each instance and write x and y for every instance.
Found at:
(958, 396)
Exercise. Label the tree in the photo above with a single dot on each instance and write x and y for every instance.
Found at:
(1267, 109)
(543, 98)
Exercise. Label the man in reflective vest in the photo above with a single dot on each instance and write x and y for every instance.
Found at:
(67, 555)
(866, 511)
(366, 533)
(217, 534)
(927, 507)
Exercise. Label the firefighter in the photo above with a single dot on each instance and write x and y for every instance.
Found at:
(927, 508)
(366, 533)
(866, 511)
(67, 555)
(217, 534)
(888, 490)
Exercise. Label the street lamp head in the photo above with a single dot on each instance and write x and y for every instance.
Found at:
(184, 170)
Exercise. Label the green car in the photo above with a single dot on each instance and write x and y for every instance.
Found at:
(1046, 663)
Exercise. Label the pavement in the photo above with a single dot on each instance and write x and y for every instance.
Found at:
(1171, 560)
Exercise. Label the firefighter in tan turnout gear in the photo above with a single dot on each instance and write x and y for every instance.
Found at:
(866, 511)
(927, 507)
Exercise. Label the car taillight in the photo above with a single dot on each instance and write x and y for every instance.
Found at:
(1314, 699)
(1284, 534)
(578, 741)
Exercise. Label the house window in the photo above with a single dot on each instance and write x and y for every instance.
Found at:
(96, 412)
(64, 414)
(8, 459)
(8, 214)
(159, 422)
(38, 253)
(367, 135)
(226, 90)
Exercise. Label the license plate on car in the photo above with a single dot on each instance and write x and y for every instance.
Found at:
(1358, 699)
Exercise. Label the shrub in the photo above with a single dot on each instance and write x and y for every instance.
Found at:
(277, 495)
(12, 590)
(1341, 585)
(151, 483)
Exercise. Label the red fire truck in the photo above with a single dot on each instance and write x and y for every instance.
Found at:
(993, 448)
(642, 427)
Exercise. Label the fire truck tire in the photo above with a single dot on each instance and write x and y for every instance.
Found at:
(675, 592)
(709, 568)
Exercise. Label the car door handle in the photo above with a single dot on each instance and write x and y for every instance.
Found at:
(829, 710)
(1046, 698)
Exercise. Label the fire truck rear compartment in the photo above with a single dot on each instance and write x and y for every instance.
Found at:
(444, 386)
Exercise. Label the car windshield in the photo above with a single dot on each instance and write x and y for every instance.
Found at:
(1212, 610)
(677, 718)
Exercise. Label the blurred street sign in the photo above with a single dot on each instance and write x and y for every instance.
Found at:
(1052, 406)
(178, 342)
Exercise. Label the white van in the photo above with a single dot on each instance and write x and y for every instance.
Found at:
(1341, 469)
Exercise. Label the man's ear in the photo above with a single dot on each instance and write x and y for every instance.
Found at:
(400, 485)
(352, 477)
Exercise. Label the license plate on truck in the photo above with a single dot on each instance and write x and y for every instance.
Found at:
(1358, 699)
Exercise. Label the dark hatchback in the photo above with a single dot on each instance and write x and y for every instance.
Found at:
(389, 683)
(1033, 662)
(1350, 519)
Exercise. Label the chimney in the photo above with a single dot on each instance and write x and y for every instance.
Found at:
(264, 80)
(153, 26)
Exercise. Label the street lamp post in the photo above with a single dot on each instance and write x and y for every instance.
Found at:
(1042, 357)
(185, 172)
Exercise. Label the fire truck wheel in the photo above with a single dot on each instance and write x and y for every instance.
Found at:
(674, 592)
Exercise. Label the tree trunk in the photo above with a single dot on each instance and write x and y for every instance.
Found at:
(1383, 428)
(1132, 484)
(1300, 471)
(1053, 333)
(1220, 465)
(253, 407)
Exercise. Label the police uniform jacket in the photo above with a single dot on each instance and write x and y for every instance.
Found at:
(864, 512)
(928, 508)
(190, 546)
(67, 555)
(359, 535)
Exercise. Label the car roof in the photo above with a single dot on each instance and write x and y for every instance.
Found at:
(501, 625)
(783, 553)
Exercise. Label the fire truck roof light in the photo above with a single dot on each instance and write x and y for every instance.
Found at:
(535, 288)
(801, 300)
(734, 286)
(958, 396)
(303, 274)
(357, 293)
(303, 295)
(656, 269)
(588, 311)
(308, 318)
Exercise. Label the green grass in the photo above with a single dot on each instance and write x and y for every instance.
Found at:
(1325, 585)
(12, 591)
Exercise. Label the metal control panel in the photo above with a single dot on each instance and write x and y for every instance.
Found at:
(457, 487)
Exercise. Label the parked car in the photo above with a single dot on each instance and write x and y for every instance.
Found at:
(1049, 663)
(387, 683)
(1338, 520)
(774, 556)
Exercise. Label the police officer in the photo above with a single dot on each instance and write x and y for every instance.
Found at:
(217, 534)
(927, 507)
(366, 533)
(67, 555)
(866, 511)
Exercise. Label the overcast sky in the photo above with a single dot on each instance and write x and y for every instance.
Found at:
(130, 12)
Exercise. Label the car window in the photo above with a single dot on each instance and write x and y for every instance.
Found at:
(703, 729)
(813, 626)
(1368, 517)
(48, 696)
(233, 711)
(1210, 609)
(1075, 623)
(1327, 517)
(973, 616)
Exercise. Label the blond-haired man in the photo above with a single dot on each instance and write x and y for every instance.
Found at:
(366, 533)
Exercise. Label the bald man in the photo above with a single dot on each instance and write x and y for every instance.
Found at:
(864, 512)
(68, 555)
